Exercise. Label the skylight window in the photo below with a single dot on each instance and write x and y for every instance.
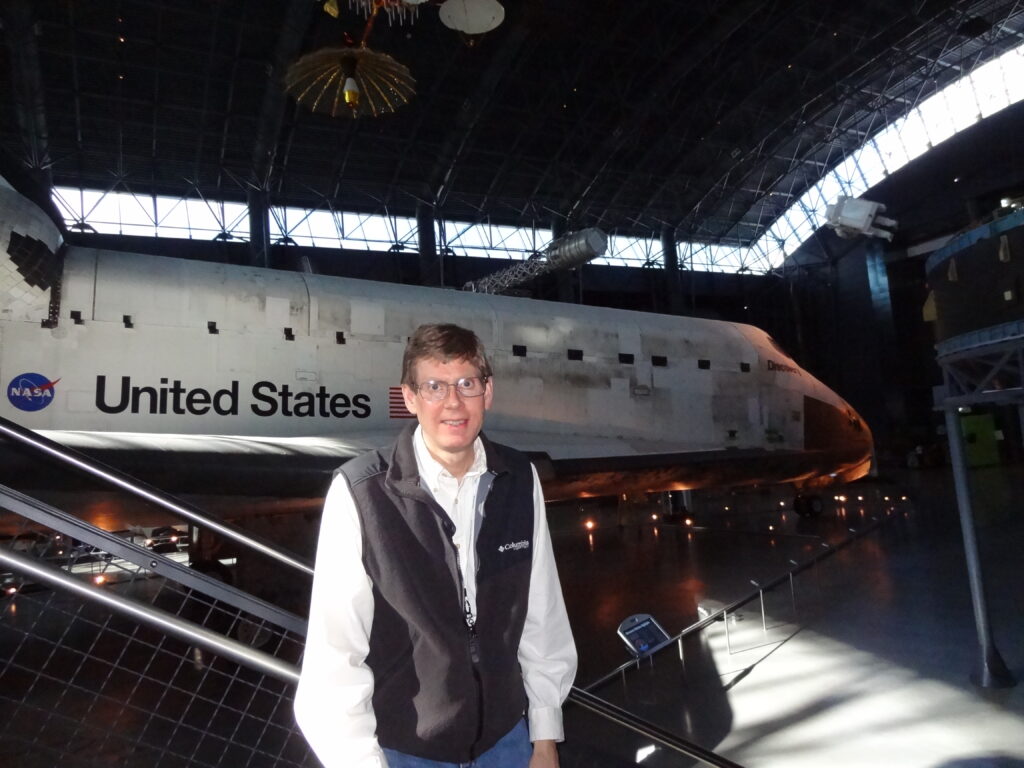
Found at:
(914, 134)
(850, 177)
(802, 228)
(337, 229)
(870, 163)
(631, 252)
(889, 143)
(721, 258)
(127, 213)
(1013, 75)
(985, 91)
(962, 104)
(989, 84)
(937, 119)
(486, 240)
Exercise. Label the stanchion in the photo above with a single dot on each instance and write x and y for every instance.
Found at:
(991, 671)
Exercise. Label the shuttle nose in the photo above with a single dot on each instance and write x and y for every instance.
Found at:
(839, 433)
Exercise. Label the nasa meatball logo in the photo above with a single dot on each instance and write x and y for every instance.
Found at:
(31, 391)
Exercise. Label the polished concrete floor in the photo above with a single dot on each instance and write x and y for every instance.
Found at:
(867, 661)
(881, 676)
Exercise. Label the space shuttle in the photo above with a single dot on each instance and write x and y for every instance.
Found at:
(200, 376)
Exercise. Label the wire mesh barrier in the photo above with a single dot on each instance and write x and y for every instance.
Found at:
(81, 684)
(113, 651)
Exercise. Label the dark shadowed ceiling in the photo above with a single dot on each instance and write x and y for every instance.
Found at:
(706, 117)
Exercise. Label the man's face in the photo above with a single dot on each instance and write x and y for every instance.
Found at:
(450, 426)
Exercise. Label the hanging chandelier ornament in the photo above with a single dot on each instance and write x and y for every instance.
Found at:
(395, 9)
(353, 81)
(350, 82)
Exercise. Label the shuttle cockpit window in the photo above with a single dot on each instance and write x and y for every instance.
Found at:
(778, 347)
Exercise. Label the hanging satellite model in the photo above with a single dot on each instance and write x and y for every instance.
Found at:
(471, 17)
(850, 217)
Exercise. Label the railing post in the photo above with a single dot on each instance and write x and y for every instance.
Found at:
(725, 620)
(792, 590)
(764, 616)
(991, 671)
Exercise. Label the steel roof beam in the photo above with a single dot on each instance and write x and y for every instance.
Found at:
(27, 82)
(294, 25)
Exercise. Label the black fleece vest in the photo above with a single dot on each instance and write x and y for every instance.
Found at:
(430, 698)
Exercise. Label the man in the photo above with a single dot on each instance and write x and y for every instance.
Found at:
(437, 620)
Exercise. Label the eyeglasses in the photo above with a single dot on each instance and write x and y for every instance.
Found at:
(435, 391)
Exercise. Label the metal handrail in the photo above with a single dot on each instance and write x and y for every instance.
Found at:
(646, 728)
(108, 474)
(156, 563)
(162, 620)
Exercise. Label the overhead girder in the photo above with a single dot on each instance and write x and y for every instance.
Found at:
(521, 202)
(727, 190)
(723, 189)
(610, 114)
(867, 122)
(536, 119)
(688, 55)
(736, 171)
(985, 373)
(26, 79)
(616, 150)
(739, 118)
(266, 142)
(467, 121)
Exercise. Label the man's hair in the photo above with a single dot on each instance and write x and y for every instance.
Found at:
(443, 342)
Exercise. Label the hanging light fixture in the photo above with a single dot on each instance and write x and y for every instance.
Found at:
(351, 93)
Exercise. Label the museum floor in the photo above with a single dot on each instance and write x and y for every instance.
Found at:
(866, 661)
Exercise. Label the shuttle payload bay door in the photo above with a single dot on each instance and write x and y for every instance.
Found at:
(641, 380)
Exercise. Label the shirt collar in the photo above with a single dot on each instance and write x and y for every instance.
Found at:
(431, 469)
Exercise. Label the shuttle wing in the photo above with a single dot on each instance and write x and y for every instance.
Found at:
(303, 467)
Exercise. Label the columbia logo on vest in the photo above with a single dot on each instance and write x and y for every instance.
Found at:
(514, 546)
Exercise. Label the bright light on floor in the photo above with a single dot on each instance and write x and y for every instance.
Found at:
(826, 692)
(644, 752)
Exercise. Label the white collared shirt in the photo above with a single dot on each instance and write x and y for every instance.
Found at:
(458, 498)
(333, 702)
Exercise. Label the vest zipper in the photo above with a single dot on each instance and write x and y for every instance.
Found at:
(474, 654)
(474, 641)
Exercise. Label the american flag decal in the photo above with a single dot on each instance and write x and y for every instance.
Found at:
(396, 405)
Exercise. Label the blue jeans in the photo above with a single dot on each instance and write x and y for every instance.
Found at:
(513, 750)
